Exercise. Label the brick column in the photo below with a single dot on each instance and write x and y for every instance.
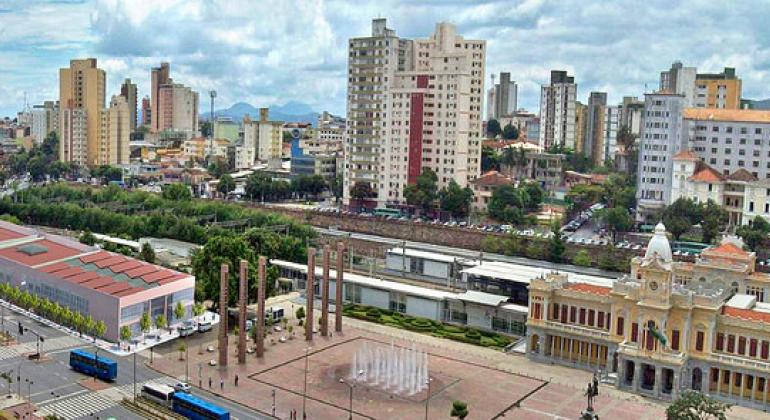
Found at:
(261, 307)
(338, 287)
(310, 294)
(242, 295)
(325, 293)
(223, 315)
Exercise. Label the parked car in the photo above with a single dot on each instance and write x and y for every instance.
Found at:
(186, 330)
(204, 326)
(182, 387)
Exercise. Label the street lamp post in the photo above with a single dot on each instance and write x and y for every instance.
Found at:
(350, 394)
(273, 402)
(29, 396)
(186, 363)
(427, 399)
(135, 375)
(304, 388)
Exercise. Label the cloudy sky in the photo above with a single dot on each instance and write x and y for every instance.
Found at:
(268, 52)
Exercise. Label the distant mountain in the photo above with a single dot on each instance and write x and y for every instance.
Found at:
(763, 104)
(290, 112)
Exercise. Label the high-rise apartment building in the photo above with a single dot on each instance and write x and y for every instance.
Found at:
(159, 76)
(661, 138)
(719, 90)
(177, 109)
(594, 131)
(706, 90)
(262, 141)
(412, 105)
(116, 143)
(82, 86)
(146, 111)
(631, 114)
(128, 91)
(45, 118)
(73, 136)
(557, 111)
(502, 97)
(581, 114)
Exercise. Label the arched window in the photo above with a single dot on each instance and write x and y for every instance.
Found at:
(735, 287)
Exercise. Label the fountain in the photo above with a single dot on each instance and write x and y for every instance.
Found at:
(398, 370)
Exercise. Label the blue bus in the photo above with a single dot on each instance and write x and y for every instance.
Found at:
(85, 362)
(195, 408)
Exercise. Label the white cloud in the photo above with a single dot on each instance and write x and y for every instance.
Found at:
(272, 51)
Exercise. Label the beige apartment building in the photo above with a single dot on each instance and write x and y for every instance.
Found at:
(118, 137)
(262, 141)
(412, 104)
(81, 86)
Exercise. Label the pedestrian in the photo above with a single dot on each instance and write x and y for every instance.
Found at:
(209, 382)
(222, 384)
(236, 379)
(200, 383)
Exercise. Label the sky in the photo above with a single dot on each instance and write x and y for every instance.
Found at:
(269, 52)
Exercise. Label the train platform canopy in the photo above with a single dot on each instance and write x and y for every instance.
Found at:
(524, 274)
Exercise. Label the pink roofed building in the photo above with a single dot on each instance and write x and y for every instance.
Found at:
(107, 286)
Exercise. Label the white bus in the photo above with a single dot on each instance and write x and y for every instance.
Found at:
(158, 392)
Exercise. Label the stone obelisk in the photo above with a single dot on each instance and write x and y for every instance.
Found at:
(223, 315)
(242, 296)
(310, 294)
(325, 293)
(338, 303)
(262, 284)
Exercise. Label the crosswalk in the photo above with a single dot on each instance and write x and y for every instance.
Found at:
(88, 403)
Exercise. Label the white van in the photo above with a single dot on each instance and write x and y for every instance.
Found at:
(204, 326)
(186, 330)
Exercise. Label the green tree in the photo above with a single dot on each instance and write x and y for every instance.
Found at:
(680, 216)
(300, 313)
(556, 245)
(145, 323)
(125, 333)
(459, 409)
(361, 191)
(493, 128)
(100, 329)
(225, 185)
(456, 200)
(714, 219)
(423, 192)
(616, 219)
(755, 233)
(207, 129)
(181, 349)
(148, 254)
(693, 405)
(490, 159)
(176, 192)
(217, 167)
(510, 132)
(582, 196)
(198, 309)
(582, 258)
(206, 263)
(179, 311)
(87, 238)
(161, 322)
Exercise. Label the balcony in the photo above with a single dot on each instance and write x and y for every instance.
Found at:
(571, 329)
(745, 362)
(665, 356)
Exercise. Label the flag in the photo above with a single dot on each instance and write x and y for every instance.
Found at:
(657, 334)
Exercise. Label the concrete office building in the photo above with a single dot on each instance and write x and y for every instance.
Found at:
(665, 328)
(557, 111)
(631, 114)
(412, 104)
(178, 107)
(107, 286)
(661, 138)
(82, 86)
(502, 97)
(128, 91)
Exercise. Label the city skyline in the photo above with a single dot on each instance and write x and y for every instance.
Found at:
(213, 46)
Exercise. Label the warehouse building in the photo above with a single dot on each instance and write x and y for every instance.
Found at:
(109, 287)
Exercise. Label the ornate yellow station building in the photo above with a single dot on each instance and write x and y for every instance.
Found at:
(666, 327)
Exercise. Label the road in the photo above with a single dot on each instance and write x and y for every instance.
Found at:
(56, 389)
(467, 253)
